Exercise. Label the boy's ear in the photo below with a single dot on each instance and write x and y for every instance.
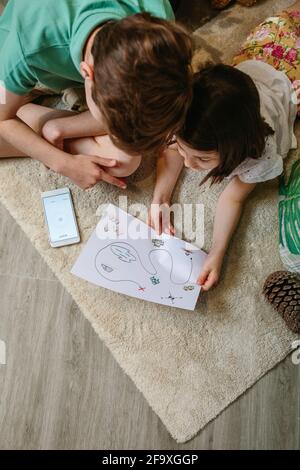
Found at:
(87, 71)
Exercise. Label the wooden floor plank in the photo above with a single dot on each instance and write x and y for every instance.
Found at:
(62, 389)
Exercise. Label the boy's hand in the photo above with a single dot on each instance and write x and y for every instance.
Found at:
(210, 273)
(86, 171)
(159, 217)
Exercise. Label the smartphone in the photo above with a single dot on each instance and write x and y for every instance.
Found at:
(60, 217)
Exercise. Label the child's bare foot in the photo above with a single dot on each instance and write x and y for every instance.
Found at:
(103, 147)
(127, 164)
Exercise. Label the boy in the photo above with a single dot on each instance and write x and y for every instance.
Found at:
(136, 72)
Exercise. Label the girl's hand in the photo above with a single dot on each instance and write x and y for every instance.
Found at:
(159, 217)
(211, 270)
(86, 171)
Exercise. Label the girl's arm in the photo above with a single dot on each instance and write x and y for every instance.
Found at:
(228, 212)
(169, 166)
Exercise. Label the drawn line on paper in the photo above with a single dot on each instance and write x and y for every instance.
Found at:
(126, 253)
(171, 297)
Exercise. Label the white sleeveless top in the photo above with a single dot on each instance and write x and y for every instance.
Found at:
(279, 109)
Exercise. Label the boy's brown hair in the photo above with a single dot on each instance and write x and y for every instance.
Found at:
(143, 80)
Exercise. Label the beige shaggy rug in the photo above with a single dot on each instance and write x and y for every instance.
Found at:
(188, 365)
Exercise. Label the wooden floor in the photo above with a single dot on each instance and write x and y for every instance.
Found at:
(62, 389)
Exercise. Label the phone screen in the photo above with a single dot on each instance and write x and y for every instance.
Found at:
(60, 217)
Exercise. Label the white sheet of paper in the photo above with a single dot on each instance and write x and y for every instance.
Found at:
(125, 255)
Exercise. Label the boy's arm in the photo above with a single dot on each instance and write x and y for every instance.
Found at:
(169, 167)
(228, 212)
(85, 171)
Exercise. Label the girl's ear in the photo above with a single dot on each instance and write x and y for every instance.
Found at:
(87, 71)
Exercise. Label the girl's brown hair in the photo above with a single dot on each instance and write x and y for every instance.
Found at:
(225, 117)
(143, 80)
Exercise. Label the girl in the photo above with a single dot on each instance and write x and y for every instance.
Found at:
(239, 127)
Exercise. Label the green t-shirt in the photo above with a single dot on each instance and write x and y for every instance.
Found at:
(41, 41)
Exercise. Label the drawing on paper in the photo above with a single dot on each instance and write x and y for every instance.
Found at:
(157, 243)
(159, 269)
(172, 298)
(109, 263)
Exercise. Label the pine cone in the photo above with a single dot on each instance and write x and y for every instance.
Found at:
(282, 290)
